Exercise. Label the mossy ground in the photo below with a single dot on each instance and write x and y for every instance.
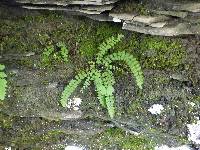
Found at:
(117, 139)
(33, 33)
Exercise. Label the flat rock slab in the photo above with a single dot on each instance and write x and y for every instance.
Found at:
(155, 17)
(68, 2)
(30, 93)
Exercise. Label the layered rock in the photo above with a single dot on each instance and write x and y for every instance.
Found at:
(32, 107)
(82, 6)
(166, 18)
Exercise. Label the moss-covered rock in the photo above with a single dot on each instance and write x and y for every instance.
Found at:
(162, 53)
(34, 90)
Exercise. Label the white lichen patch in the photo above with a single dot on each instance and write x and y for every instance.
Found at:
(7, 148)
(74, 103)
(156, 109)
(77, 101)
(116, 20)
(194, 132)
(165, 147)
(73, 148)
(192, 104)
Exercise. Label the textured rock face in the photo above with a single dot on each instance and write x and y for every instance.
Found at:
(82, 6)
(68, 2)
(164, 17)
(32, 112)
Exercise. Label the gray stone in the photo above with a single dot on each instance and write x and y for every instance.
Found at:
(68, 2)
(180, 14)
(123, 16)
(149, 19)
(179, 29)
(158, 17)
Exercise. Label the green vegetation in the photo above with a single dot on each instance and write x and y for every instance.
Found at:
(103, 78)
(3, 82)
(82, 36)
(5, 121)
(90, 37)
(29, 136)
(161, 53)
(130, 6)
(116, 137)
(51, 54)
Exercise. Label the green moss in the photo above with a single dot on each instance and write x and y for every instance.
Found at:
(130, 6)
(89, 37)
(116, 138)
(161, 79)
(52, 136)
(33, 32)
(88, 47)
(30, 137)
(106, 30)
(161, 53)
(26, 62)
(5, 121)
(197, 99)
(137, 108)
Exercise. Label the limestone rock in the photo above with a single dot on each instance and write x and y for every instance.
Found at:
(156, 17)
(179, 29)
(68, 2)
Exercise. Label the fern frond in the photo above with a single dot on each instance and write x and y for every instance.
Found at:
(104, 86)
(2, 67)
(64, 51)
(46, 54)
(70, 88)
(105, 46)
(100, 88)
(48, 51)
(110, 101)
(109, 81)
(87, 83)
(3, 86)
(3, 75)
(131, 62)
(108, 78)
(3, 83)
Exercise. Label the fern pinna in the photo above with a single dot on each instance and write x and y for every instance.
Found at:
(103, 78)
(3, 82)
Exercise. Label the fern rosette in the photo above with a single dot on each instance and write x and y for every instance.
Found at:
(103, 78)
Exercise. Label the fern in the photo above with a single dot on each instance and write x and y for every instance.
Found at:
(105, 46)
(87, 83)
(64, 51)
(109, 81)
(90, 74)
(130, 61)
(3, 83)
(46, 55)
(100, 88)
(51, 54)
(73, 84)
(103, 78)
